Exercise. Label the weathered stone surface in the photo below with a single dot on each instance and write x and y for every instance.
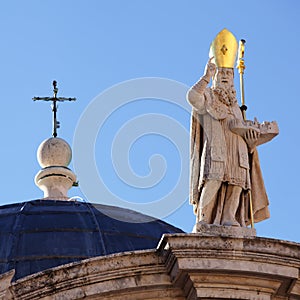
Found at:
(5, 281)
(227, 231)
(231, 267)
(140, 274)
(184, 266)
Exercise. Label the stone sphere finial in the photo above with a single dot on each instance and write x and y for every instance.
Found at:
(54, 152)
(55, 178)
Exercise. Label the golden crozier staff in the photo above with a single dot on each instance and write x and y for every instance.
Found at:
(241, 67)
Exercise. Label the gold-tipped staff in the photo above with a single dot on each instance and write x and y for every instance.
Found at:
(241, 67)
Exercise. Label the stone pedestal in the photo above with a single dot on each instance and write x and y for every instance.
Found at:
(225, 231)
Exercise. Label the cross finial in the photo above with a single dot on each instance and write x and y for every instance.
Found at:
(54, 99)
(55, 89)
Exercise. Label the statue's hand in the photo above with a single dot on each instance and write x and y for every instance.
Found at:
(210, 69)
(251, 138)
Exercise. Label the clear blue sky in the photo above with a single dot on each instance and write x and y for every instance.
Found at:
(89, 46)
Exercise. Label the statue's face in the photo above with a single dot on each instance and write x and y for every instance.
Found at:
(223, 78)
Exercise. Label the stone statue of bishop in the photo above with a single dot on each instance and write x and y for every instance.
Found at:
(225, 169)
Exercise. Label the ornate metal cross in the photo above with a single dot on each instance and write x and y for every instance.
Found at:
(54, 99)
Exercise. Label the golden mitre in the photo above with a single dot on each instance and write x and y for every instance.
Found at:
(224, 49)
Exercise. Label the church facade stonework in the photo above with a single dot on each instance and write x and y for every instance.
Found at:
(184, 266)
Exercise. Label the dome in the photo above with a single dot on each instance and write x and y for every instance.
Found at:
(42, 234)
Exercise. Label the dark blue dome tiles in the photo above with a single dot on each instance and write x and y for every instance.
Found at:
(42, 234)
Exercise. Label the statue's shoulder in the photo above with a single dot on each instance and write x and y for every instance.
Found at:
(214, 107)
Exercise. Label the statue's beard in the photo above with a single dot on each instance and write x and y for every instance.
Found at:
(227, 96)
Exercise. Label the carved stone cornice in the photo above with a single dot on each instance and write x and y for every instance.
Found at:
(184, 266)
(232, 267)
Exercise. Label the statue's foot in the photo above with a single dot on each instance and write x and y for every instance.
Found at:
(231, 223)
(200, 224)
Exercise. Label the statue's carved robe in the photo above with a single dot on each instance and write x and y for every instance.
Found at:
(219, 154)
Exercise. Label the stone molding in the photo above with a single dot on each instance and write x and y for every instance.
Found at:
(236, 268)
(184, 266)
(119, 276)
